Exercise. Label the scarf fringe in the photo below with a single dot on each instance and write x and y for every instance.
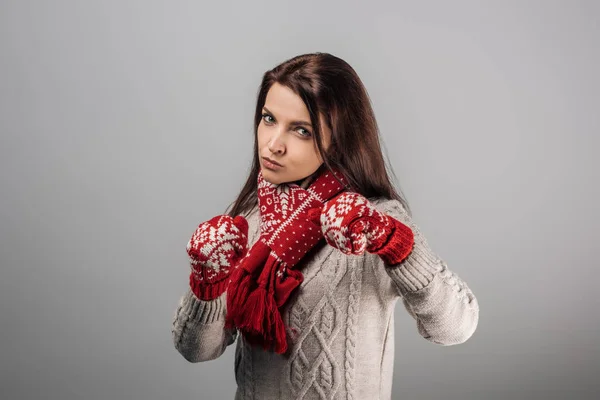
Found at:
(237, 298)
(265, 321)
(255, 309)
(242, 280)
(280, 336)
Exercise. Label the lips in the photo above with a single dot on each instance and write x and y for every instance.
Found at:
(271, 161)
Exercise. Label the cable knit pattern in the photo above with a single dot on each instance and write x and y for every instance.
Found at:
(352, 327)
(340, 322)
(319, 371)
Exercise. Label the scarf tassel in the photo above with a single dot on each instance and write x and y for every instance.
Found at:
(236, 298)
(254, 310)
(261, 313)
(241, 279)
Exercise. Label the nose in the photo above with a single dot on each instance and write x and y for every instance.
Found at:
(276, 144)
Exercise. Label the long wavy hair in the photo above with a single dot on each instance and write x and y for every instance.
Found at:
(329, 86)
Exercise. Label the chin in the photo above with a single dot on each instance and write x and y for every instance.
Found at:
(268, 176)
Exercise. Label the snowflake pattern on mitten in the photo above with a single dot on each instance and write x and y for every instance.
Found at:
(350, 223)
(214, 248)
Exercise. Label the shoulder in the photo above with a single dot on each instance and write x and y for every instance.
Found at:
(252, 213)
(394, 209)
(391, 207)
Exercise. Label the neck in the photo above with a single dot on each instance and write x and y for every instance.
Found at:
(305, 182)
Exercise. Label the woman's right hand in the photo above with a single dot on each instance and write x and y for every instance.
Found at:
(214, 249)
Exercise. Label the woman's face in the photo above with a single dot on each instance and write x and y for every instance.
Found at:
(286, 140)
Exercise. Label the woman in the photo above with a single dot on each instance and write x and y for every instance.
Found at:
(306, 267)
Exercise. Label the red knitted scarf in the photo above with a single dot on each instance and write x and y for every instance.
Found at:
(265, 277)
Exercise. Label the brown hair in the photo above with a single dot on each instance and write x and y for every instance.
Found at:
(329, 86)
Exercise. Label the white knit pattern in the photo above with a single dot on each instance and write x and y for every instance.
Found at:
(334, 223)
(213, 244)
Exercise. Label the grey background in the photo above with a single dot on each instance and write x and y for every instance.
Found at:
(124, 124)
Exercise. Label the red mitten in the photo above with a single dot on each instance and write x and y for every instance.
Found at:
(350, 223)
(214, 249)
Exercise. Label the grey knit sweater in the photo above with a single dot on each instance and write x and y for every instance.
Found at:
(343, 318)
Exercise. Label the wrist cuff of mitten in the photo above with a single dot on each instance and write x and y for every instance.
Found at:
(204, 311)
(399, 244)
(208, 291)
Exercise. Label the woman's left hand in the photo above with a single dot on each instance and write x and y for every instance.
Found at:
(350, 223)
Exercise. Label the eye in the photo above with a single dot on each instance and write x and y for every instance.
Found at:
(306, 135)
(266, 115)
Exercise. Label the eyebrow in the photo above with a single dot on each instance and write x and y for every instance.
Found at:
(292, 122)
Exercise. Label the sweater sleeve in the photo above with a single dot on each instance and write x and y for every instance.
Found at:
(198, 328)
(445, 309)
